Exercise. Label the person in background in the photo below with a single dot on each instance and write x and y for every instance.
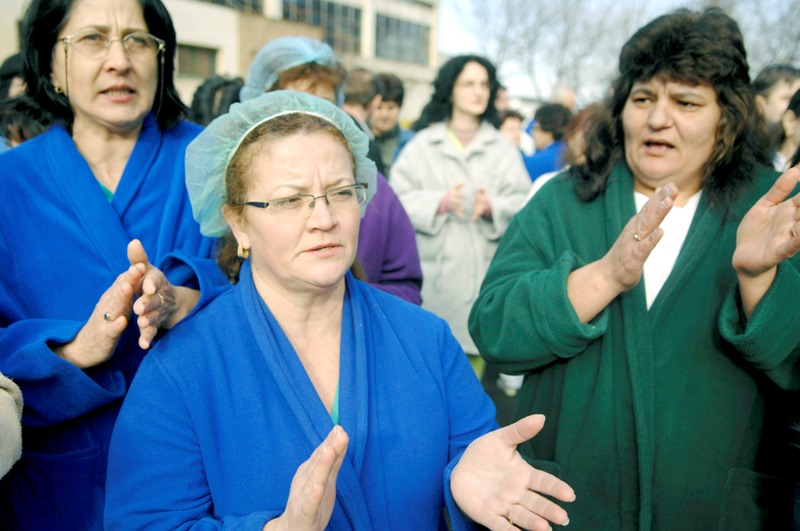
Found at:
(790, 134)
(649, 296)
(549, 123)
(387, 253)
(214, 97)
(98, 244)
(384, 121)
(362, 95)
(564, 95)
(510, 124)
(12, 85)
(461, 181)
(501, 101)
(303, 398)
(10, 427)
(12, 82)
(295, 63)
(773, 88)
(21, 119)
(587, 119)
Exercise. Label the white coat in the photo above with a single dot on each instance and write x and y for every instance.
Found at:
(455, 253)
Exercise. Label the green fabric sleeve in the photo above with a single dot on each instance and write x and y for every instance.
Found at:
(523, 318)
(769, 340)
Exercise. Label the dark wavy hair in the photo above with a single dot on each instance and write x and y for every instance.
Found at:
(21, 119)
(213, 98)
(440, 106)
(705, 48)
(41, 24)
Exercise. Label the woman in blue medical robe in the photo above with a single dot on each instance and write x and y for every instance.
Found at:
(93, 215)
(302, 398)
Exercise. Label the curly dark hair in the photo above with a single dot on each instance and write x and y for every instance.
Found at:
(41, 24)
(391, 88)
(214, 97)
(705, 48)
(440, 106)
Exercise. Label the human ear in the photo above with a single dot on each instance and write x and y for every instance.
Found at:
(236, 221)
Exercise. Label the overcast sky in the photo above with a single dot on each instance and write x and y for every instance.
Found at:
(454, 37)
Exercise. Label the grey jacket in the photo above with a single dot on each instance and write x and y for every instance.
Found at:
(455, 253)
(10, 428)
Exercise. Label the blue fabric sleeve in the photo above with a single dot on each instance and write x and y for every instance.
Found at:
(198, 273)
(55, 390)
(458, 520)
(472, 415)
(154, 443)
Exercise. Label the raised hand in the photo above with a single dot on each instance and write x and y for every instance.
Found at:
(160, 304)
(767, 235)
(313, 491)
(482, 206)
(592, 287)
(496, 487)
(455, 200)
(98, 338)
(639, 237)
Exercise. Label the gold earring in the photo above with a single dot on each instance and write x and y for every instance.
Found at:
(243, 253)
(58, 89)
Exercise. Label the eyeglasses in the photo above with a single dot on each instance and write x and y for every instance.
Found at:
(91, 43)
(292, 209)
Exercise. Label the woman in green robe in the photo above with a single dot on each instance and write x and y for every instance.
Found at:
(649, 296)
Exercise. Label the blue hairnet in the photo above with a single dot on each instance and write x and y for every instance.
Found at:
(208, 155)
(280, 55)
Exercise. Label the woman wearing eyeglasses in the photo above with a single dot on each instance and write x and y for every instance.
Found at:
(94, 225)
(302, 398)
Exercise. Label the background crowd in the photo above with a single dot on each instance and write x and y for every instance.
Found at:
(278, 307)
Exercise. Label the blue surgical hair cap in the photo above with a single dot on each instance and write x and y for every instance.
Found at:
(280, 55)
(208, 155)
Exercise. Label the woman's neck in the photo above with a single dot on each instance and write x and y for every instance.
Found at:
(302, 311)
(464, 126)
(105, 151)
(463, 122)
(312, 323)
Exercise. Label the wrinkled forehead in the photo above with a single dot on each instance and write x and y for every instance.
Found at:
(107, 15)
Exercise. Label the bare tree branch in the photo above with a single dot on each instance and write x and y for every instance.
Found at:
(577, 42)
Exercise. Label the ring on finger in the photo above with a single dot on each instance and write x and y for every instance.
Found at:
(508, 513)
(107, 317)
(160, 296)
(637, 237)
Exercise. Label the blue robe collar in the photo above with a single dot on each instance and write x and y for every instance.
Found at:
(78, 185)
(307, 409)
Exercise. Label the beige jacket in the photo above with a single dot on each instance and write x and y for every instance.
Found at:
(10, 427)
(456, 253)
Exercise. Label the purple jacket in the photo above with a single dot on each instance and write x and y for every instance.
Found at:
(387, 246)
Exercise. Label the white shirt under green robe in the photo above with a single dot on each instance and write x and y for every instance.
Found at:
(672, 418)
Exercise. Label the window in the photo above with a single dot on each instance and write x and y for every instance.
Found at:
(196, 61)
(402, 41)
(255, 6)
(342, 23)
